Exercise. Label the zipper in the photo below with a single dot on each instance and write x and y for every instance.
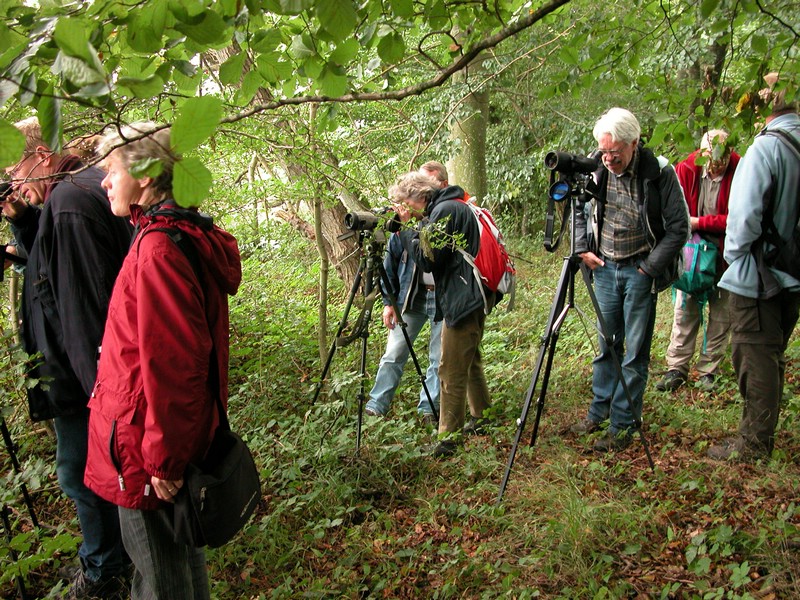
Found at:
(114, 459)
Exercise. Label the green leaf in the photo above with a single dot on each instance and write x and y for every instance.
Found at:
(391, 48)
(345, 52)
(49, 114)
(210, 29)
(266, 40)
(146, 167)
(12, 144)
(231, 70)
(146, 27)
(272, 68)
(302, 47)
(142, 87)
(759, 44)
(294, 7)
(191, 182)
(333, 85)
(72, 37)
(436, 12)
(402, 8)
(707, 7)
(338, 17)
(197, 120)
(76, 70)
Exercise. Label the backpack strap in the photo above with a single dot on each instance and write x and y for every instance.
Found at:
(470, 260)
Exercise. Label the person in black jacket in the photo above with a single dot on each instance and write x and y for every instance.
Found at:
(639, 224)
(75, 249)
(447, 224)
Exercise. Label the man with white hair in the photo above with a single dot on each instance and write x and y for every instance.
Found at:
(706, 185)
(639, 223)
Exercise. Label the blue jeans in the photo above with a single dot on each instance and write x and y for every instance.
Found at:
(394, 360)
(628, 306)
(101, 554)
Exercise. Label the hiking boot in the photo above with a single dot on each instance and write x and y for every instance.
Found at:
(110, 588)
(476, 426)
(672, 380)
(428, 420)
(735, 449)
(444, 449)
(613, 441)
(585, 426)
(706, 382)
(372, 413)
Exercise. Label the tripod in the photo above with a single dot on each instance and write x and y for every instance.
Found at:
(563, 301)
(372, 274)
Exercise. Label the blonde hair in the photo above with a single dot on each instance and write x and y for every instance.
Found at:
(32, 131)
(776, 99)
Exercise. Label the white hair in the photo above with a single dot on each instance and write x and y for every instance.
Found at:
(620, 124)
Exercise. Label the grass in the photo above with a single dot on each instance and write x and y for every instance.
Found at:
(388, 522)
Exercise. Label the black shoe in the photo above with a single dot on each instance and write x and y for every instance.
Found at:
(444, 449)
(110, 588)
(585, 426)
(613, 441)
(672, 380)
(706, 382)
(476, 426)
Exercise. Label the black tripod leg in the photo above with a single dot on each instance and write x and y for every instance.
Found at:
(7, 525)
(402, 324)
(342, 325)
(558, 311)
(12, 453)
(614, 357)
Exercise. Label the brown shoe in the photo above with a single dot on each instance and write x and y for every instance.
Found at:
(585, 426)
(735, 449)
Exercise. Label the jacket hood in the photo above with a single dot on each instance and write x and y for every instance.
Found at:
(217, 249)
(451, 192)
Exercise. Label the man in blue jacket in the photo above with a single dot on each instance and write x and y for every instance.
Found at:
(75, 249)
(448, 224)
(764, 301)
(639, 223)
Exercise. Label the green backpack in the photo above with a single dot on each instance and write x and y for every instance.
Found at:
(697, 277)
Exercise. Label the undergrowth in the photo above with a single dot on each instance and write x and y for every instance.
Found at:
(371, 516)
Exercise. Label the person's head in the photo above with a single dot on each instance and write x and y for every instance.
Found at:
(436, 170)
(714, 146)
(124, 147)
(414, 190)
(776, 99)
(617, 133)
(83, 146)
(31, 173)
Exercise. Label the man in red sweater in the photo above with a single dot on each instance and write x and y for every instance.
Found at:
(706, 188)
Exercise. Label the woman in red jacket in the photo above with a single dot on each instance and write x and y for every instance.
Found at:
(165, 346)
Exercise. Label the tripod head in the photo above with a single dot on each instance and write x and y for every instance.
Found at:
(576, 184)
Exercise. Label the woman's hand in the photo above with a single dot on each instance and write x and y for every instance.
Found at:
(166, 489)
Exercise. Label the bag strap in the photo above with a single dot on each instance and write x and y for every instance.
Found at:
(189, 250)
(478, 277)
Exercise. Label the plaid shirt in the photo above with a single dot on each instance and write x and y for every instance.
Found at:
(622, 235)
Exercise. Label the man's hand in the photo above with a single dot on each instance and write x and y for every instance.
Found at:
(389, 318)
(14, 206)
(10, 249)
(166, 489)
(591, 260)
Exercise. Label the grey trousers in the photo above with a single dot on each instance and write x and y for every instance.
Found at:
(685, 329)
(760, 334)
(164, 570)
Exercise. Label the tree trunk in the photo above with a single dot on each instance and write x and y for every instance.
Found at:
(468, 167)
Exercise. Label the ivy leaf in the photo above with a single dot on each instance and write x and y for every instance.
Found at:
(12, 144)
(191, 182)
(338, 17)
(197, 120)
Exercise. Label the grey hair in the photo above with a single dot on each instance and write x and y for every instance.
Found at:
(129, 145)
(414, 186)
(714, 137)
(620, 124)
(436, 170)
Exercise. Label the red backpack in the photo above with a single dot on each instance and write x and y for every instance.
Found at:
(492, 266)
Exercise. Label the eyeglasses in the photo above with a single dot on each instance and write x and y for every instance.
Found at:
(611, 153)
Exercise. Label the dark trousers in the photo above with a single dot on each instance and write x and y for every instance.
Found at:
(164, 570)
(760, 334)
